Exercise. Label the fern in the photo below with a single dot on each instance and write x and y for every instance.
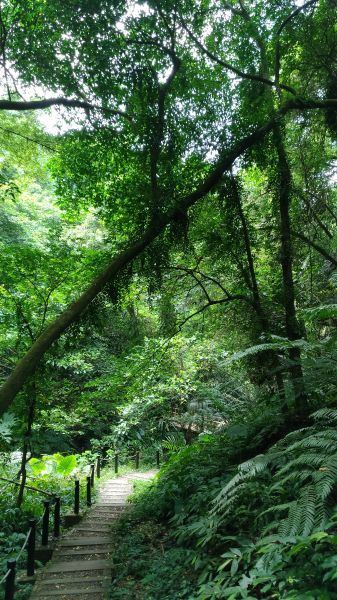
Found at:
(325, 414)
(278, 344)
(298, 476)
(174, 442)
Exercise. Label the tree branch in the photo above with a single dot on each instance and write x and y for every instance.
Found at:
(212, 303)
(19, 105)
(278, 35)
(316, 247)
(231, 67)
(27, 138)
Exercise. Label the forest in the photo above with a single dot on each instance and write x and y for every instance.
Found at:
(168, 211)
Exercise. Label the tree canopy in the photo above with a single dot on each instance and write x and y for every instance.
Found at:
(168, 255)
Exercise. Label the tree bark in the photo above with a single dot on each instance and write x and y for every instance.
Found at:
(260, 312)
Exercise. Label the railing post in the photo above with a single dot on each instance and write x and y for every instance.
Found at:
(10, 581)
(98, 467)
(77, 497)
(137, 460)
(45, 523)
(158, 458)
(31, 548)
(88, 490)
(92, 475)
(57, 517)
(116, 463)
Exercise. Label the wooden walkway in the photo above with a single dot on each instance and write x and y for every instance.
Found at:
(80, 568)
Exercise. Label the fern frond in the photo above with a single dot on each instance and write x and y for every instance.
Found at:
(308, 459)
(301, 476)
(275, 508)
(325, 414)
(325, 443)
(308, 503)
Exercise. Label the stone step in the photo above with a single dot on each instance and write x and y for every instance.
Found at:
(112, 504)
(78, 565)
(86, 594)
(80, 568)
(70, 552)
(74, 580)
(89, 541)
(94, 528)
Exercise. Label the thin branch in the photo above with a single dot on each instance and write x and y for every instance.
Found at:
(14, 84)
(330, 211)
(316, 246)
(278, 35)
(230, 67)
(27, 138)
(151, 42)
(3, 51)
(237, 12)
(215, 281)
(212, 303)
(200, 284)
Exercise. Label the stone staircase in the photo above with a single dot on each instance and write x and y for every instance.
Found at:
(81, 567)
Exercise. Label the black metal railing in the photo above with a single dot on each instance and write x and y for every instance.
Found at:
(29, 544)
(115, 460)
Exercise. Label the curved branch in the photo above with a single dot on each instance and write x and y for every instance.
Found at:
(213, 303)
(231, 67)
(48, 102)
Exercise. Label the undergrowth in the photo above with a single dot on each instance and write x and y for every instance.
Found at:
(211, 526)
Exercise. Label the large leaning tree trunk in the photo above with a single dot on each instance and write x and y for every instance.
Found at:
(29, 362)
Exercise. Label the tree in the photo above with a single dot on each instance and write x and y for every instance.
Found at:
(190, 116)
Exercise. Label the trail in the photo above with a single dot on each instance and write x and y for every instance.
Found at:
(80, 566)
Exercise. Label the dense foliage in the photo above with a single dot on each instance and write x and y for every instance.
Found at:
(168, 278)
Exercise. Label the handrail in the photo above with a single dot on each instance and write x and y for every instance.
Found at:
(29, 487)
(5, 577)
(9, 576)
(24, 545)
